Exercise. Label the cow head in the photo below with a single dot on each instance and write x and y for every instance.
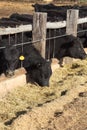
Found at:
(11, 55)
(77, 50)
(40, 73)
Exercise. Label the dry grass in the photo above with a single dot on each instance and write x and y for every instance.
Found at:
(24, 98)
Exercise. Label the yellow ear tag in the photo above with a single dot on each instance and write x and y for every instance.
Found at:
(21, 57)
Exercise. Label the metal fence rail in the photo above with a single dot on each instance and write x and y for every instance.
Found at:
(27, 28)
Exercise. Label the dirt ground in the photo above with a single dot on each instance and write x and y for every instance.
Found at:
(62, 106)
(73, 116)
(7, 8)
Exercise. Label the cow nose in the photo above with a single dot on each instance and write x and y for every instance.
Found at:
(9, 73)
(45, 84)
(84, 56)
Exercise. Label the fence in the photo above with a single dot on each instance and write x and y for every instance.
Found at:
(40, 25)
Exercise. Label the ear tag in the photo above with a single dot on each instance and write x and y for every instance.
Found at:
(21, 57)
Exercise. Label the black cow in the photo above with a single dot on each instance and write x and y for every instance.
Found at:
(60, 9)
(37, 67)
(39, 7)
(16, 19)
(67, 46)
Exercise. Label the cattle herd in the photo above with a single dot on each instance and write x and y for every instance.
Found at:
(38, 68)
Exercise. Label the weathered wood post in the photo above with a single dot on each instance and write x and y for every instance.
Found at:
(39, 31)
(72, 21)
(71, 27)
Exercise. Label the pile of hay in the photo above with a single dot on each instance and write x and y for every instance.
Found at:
(24, 98)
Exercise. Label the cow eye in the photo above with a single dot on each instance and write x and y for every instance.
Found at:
(38, 65)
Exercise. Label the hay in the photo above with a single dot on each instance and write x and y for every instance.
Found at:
(24, 98)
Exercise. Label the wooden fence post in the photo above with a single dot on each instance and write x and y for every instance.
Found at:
(39, 31)
(71, 27)
(72, 21)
